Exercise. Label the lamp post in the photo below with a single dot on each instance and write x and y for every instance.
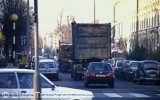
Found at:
(14, 18)
(37, 84)
(94, 12)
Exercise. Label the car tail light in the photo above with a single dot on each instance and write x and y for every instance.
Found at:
(90, 75)
(111, 75)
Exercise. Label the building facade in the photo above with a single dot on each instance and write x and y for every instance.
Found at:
(136, 19)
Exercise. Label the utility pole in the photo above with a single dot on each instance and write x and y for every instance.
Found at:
(37, 85)
(137, 23)
(94, 12)
(27, 49)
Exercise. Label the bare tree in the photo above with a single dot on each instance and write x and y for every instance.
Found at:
(18, 7)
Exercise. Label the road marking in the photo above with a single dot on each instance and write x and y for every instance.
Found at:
(112, 94)
(139, 95)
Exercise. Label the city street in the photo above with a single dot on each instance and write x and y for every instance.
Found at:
(123, 90)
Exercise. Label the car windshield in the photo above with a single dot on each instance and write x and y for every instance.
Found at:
(26, 81)
(100, 67)
(134, 64)
(151, 66)
(47, 64)
(119, 64)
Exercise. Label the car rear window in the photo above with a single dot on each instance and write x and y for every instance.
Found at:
(100, 67)
(151, 66)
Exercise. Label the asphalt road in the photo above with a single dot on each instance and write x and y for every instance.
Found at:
(123, 90)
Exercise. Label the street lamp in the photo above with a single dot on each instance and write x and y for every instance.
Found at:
(14, 18)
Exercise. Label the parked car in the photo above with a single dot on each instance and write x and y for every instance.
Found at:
(12, 88)
(49, 68)
(117, 67)
(120, 69)
(147, 71)
(99, 73)
(130, 70)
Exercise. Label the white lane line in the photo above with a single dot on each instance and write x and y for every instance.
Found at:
(158, 94)
(139, 95)
(112, 94)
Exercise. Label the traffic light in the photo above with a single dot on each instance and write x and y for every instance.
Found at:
(24, 59)
(0, 35)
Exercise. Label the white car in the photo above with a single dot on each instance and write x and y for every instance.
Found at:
(49, 68)
(17, 84)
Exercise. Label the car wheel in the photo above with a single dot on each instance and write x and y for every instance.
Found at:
(75, 76)
(156, 83)
(71, 75)
(86, 84)
(140, 82)
(112, 85)
(57, 78)
(127, 79)
(134, 80)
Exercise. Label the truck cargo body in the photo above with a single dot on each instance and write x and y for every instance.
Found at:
(65, 56)
(91, 42)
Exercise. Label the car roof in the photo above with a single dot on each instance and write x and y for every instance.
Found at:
(133, 61)
(143, 61)
(16, 70)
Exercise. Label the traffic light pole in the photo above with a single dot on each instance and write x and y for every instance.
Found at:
(13, 45)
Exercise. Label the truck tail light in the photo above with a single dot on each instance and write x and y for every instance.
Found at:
(90, 75)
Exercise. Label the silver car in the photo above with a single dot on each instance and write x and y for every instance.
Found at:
(49, 68)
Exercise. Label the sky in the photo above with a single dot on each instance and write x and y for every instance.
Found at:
(49, 12)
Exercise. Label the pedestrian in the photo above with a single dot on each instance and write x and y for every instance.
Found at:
(9, 83)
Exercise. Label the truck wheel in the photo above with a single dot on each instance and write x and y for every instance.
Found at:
(140, 82)
(134, 80)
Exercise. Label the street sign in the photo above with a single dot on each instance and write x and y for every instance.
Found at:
(23, 40)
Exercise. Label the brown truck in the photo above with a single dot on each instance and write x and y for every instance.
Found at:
(90, 43)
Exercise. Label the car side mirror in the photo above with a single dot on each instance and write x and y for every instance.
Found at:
(53, 87)
(84, 69)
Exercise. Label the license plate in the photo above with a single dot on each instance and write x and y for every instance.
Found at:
(152, 75)
(47, 71)
(100, 75)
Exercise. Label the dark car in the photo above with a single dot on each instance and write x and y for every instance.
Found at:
(147, 72)
(130, 70)
(99, 73)
(117, 67)
(120, 70)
